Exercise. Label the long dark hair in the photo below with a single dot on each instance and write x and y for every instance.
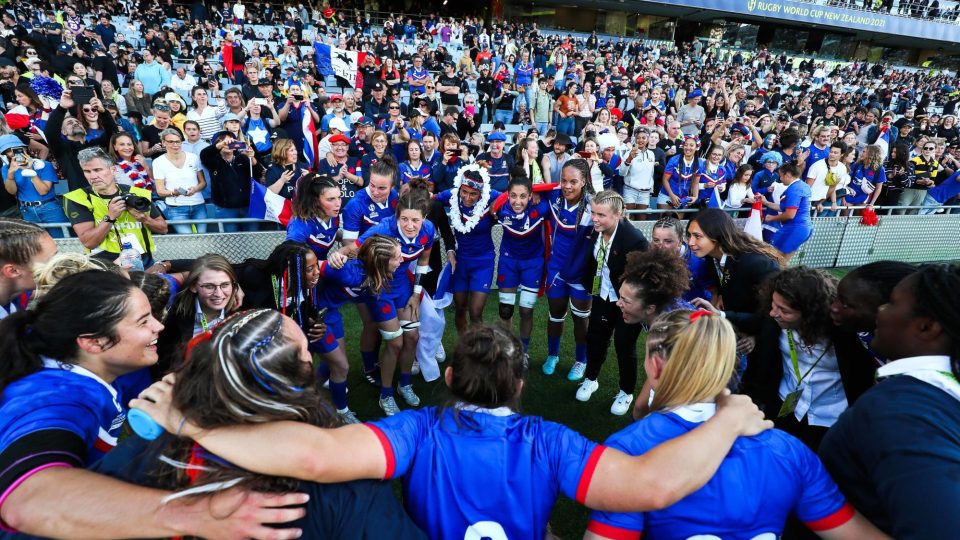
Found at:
(809, 291)
(246, 372)
(719, 227)
(88, 304)
(309, 190)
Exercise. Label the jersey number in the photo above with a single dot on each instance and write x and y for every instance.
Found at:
(485, 529)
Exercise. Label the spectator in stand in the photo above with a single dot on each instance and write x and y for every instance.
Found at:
(180, 181)
(230, 175)
(151, 73)
(68, 136)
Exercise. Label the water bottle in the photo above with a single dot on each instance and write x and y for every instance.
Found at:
(130, 258)
(144, 426)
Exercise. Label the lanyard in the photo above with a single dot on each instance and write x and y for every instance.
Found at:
(720, 266)
(796, 364)
(601, 259)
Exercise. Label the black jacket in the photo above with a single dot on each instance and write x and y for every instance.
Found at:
(765, 366)
(742, 278)
(626, 240)
(66, 151)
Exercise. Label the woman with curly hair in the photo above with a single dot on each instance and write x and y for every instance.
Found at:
(817, 374)
(653, 283)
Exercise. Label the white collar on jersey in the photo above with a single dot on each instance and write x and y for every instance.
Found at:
(50, 363)
(382, 205)
(499, 411)
(934, 370)
(696, 412)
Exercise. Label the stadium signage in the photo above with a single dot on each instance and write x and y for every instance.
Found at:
(799, 11)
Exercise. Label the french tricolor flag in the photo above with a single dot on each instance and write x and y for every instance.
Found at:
(267, 205)
(883, 141)
(310, 141)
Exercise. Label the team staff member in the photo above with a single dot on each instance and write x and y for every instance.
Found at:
(691, 357)
(103, 220)
(536, 459)
(903, 433)
(59, 413)
(612, 240)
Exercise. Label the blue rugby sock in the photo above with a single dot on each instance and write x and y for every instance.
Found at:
(338, 392)
(553, 345)
(369, 360)
(386, 391)
(404, 379)
(582, 352)
(526, 343)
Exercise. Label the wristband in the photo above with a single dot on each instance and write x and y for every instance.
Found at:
(423, 269)
(417, 289)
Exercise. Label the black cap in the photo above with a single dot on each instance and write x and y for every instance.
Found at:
(378, 87)
(264, 82)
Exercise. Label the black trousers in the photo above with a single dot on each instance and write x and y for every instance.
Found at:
(606, 320)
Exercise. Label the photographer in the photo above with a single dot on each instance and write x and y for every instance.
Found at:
(105, 215)
(67, 136)
(31, 182)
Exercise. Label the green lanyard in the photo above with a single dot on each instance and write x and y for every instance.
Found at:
(796, 364)
(601, 256)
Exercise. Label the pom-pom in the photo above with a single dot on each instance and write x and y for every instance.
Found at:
(869, 217)
(45, 86)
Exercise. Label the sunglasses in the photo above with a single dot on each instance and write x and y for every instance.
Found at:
(88, 109)
(162, 108)
(431, 87)
(929, 147)
(393, 107)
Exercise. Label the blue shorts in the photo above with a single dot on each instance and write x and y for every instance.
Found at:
(384, 307)
(473, 274)
(328, 343)
(512, 272)
(558, 288)
(789, 238)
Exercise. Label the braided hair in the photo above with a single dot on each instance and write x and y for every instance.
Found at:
(583, 168)
(248, 370)
(19, 240)
(286, 266)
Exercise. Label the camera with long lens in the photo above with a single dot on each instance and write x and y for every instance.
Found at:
(138, 203)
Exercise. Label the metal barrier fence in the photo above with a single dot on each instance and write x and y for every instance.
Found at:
(836, 241)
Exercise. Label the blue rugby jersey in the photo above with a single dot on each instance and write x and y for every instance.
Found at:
(523, 232)
(487, 474)
(411, 248)
(315, 233)
(362, 212)
(762, 480)
(477, 243)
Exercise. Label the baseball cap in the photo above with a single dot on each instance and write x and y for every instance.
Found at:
(378, 87)
(339, 137)
(10, 141)
(229, 117)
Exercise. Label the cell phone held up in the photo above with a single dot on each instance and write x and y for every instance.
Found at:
(81, 94)
(238, 145)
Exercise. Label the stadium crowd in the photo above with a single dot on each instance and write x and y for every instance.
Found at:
(389, 189)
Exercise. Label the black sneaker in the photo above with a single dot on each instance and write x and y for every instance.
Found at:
(373, 376)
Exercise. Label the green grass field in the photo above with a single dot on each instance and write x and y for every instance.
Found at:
(550, 397)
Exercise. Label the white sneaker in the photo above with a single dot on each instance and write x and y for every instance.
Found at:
(441, 354)
(587, 388)
(415, 369)
(408, 395)
(389, 406)
(621, 404)
(347, 416)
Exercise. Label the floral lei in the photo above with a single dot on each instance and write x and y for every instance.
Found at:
(458, 222)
